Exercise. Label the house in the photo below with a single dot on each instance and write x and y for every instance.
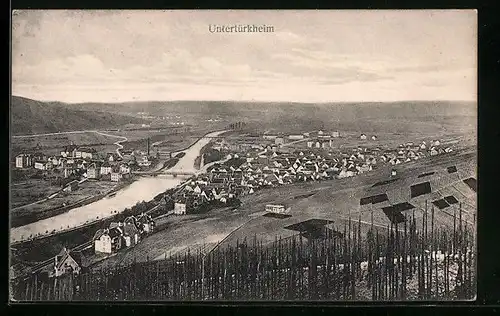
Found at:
(393, 172)
(145, 224)
(48, 165)
(374, 137)
(69, 151)
(131, 232)
(436, 142)
(310, 144)
(40, 165)
(54, 161)
(102, 241)
(269, 136)
(362, 136)
(24, 161)
(275, 208)
(116, 235)
(66, 262)
(295, 137)
(116, 176)
(345, 173)
(106, 168)
(179, 208)
(93, 171)
(433, 151)
(335, 134)
(68, 172)
(124, 168)
(85, 153)
(279, 141)
(71, 186)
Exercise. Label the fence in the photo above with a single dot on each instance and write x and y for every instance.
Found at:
(400, 262)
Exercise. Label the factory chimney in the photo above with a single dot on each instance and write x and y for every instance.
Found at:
(148, 146)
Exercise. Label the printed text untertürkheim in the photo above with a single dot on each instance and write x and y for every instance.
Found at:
(240, 28)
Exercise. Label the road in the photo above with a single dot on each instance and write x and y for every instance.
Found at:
(50, 134)
(118, 143)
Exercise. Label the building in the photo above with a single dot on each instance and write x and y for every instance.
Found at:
(335, 134)
(68, 172)
(310, 144)
(145, 223)
(124, 168)
(270, 136)
(112, 157)
(69, 151)
(180, 208)
(93, 172)
(72, 186)
(116, 176)
(85, 153)
(24, 161)
(131, 233)
(66, 262)
(106, 168)
(40, 165)
(393, 172)
(295, 137)
(362, 136)
(279, 141)
(275, 208)
(374, 137)
(102, 242)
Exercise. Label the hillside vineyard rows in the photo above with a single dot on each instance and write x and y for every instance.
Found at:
(400, 262)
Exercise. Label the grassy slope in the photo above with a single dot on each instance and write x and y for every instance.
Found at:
(30, 116)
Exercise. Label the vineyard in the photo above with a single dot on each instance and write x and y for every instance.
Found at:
(407, 261)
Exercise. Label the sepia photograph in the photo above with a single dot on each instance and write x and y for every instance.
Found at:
(243, 155)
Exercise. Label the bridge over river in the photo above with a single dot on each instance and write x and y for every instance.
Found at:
(144, 189)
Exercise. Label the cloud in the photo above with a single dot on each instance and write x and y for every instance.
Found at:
(146, 54)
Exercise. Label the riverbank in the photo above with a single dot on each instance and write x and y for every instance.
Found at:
(32, 217)
(145, 189)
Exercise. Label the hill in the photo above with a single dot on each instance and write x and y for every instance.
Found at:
(31, 117)
(434, 116)
(341, 111)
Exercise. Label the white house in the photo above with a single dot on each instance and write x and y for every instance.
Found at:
(295, 137)
(40, 165)
(23, 161)
(106, 169)
(335, 134)
(180, 208)
(362, 136)
(116, 176)
(102, 242)
(275, 208)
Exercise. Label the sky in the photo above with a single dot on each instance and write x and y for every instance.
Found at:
(311, 56)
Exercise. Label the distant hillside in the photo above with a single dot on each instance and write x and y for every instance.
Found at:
(340, 111)
(31, 117)
(405, 116)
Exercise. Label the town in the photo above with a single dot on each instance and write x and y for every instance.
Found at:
(241, 168)
(249, 167)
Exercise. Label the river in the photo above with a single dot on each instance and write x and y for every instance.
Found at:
(144, 189)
